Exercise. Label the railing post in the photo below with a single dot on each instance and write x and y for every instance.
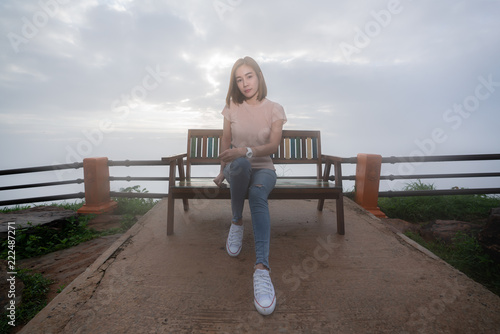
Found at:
(96, 181)
(367, 182)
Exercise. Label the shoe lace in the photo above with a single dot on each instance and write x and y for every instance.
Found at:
(235, 235)
(263, 285)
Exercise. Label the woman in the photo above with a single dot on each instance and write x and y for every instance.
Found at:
(251, 133)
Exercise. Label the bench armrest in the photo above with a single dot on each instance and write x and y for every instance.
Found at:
(174, 157)
(173, 161)
(330, 160)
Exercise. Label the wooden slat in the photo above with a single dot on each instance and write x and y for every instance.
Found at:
(287, 148)
(282, 148)
(304, 147)
(216, 147)
(298, 155)
(198, 147)
(210, 147)
(193, 147)
(315, 148)
(309, 155)
(204, 147)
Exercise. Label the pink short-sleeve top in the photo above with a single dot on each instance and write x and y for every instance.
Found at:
(251, 126)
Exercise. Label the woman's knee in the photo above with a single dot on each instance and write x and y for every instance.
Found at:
(240, 165)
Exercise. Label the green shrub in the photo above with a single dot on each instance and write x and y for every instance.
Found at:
(134, 206)
(467, 255)
(464, 252)
(427, 208)
(40, 240)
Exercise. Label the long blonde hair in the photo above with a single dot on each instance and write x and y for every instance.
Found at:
(233, 93)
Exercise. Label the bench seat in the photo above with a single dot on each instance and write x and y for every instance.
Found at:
(286, 188)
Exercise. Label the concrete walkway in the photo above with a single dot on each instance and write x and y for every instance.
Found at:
(371, 280)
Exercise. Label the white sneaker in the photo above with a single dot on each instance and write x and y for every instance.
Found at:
(263, 291)
(234, 240)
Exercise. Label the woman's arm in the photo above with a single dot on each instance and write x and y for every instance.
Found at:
(274, 141)
(229, 155)
(225, 143)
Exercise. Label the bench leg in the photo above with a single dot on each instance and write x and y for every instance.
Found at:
(185, 201)
(340, 215)
(170, 215)
(321, 203)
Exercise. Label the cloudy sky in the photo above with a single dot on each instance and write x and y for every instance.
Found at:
(125, 79)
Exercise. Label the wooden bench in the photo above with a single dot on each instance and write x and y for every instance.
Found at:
(297, 147)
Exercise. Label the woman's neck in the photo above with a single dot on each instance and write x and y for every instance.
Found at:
(253, 101)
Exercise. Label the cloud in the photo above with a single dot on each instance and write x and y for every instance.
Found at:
(89, 63)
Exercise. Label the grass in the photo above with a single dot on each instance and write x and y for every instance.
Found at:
(417, 209)
(34, 299)
(467, 255)
(40, 240)
(464, 252)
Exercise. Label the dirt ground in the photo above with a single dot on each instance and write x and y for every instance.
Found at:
(63, 266)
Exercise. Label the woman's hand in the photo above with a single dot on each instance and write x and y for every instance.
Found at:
(219, 179)
(232, 154)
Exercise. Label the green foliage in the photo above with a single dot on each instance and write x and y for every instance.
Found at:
(14, 208)
(34, 299)
(134, 206)
(40, 240)
(71, 206)
(65, 205)
(426, 208)
(466, 254)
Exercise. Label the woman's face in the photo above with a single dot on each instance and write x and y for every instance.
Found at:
(247, 81)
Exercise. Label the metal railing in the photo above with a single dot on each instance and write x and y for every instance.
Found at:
(79, 195)
(6, 172)
(437, 158)
(130, 163)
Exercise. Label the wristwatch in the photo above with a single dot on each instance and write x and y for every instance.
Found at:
(249, 153)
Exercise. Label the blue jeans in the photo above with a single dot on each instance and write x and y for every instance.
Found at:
(258, 183)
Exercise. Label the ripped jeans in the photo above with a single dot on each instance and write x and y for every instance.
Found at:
(258, 183)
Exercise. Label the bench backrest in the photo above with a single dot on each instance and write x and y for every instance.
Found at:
(296, 147)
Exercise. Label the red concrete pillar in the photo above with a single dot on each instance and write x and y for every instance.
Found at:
(96, 181)
(367, 182)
